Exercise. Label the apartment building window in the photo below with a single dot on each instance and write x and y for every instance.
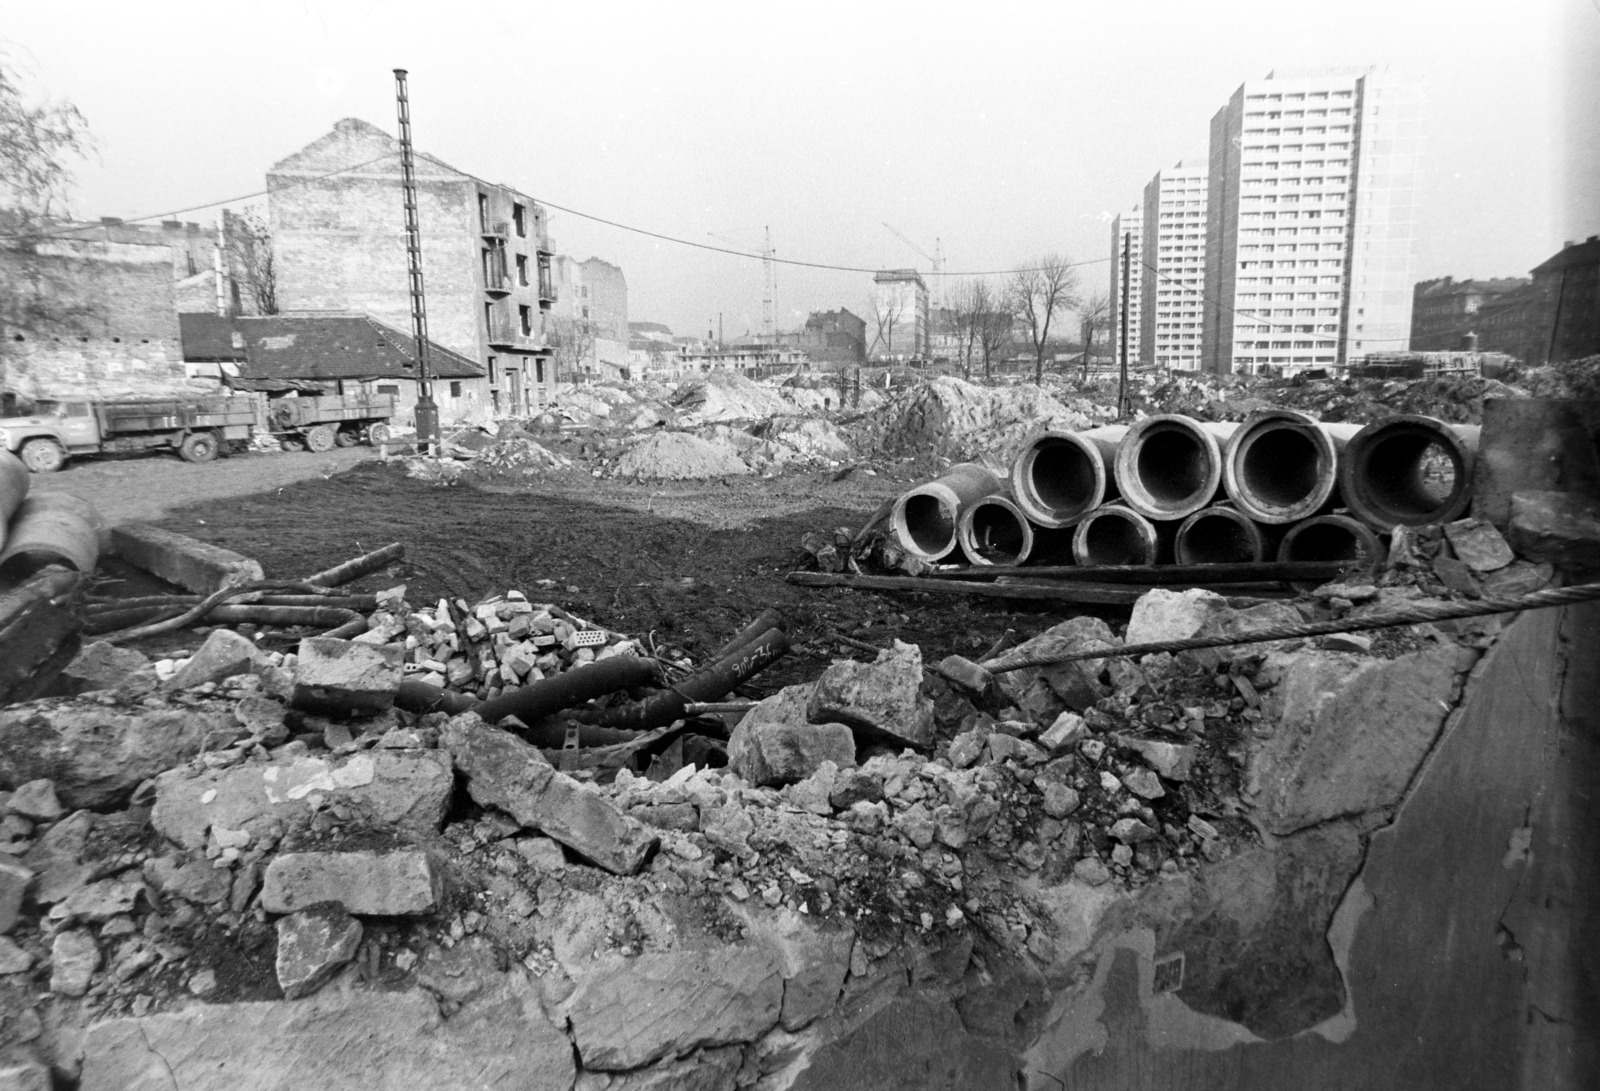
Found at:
(525, 316)
(483, 211)
(519, 220)
(455, 389)
(494, 368)
(522, 270)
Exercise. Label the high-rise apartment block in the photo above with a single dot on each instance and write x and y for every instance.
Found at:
(1311, 219)
(900, 315)
(1127, 283)
(1175, 256)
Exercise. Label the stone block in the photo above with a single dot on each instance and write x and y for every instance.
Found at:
(965, 673)
(1519, 578)
(1562, 528)
(881, 701)
(1160, 614)
(333, 675)
(1067, 729)
(223, 654)
(408, 789)
(14, 880)
(312, 944)
(100, 666)
(503, 771)
(786, 753)
(74, 957)
(1479, 545)
(196, 566)
(193, 880)
(36, 800)
(1173, 761)
(403, 883)
(1456, 575)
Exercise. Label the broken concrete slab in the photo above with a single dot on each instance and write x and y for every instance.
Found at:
(1043, 693)
(100, 665)
(336, 1040)
(192, 879)
(333, 675)
(1349, 733)
(312, 944)
(1160, 614)
(36, 800)
(503, 771)
(766, 753)
(402, 883)
(1456, 575)
(813, 962)
(965, 673)
(881, 700)
(223, 654)
(1479, 545)
(1064, 731)
(97, 755)
(1519, 578)
(1562, 528)
(1173, 761)
(74, 957)
(194, 565)
(1230, 622)
(626, 1013)
(408, 789)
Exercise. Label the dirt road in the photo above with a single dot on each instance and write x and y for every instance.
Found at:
(146, 488)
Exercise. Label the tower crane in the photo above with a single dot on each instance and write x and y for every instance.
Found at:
(937, 258)
(769, 296)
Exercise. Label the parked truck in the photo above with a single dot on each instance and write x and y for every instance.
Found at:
(324, 421)
(197, 428)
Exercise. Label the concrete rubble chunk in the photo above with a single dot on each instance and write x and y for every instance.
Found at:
(1456, 575)
(97, 755)
(503, 771)
(1562, 528)
(196, 566)
(1230, 622)
(1045, 692)
(853, 786)
(334, 675)
(1131, 831)
(74, 957)
(101, 665)
(1059, 800)
(880, 701)
(98, 901)
(1347, 642)
(1479, 545)
(965, 673)
(312, 944)
(36, 800)
(223, 654)
(193, 880)
(14, 880)
(1519, 578)
(1349, 733)
(1067, 729)
(786, 753)
(1143, 783)
(702, 1070)
(1160, 614)
(629, 1013)
(335, 1040)
(13, 960)
(409, 789)
(1173, 761)
(403, 883)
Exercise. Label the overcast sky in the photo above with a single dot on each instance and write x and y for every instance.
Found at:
(1003, 130)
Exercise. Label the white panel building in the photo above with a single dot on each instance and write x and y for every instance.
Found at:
(1175, 255)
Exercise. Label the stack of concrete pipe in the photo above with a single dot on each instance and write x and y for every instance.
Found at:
(1278, 486)
(44, 528)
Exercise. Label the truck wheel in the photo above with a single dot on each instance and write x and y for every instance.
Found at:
(377, 433)
(345, 437)
(43, 456)
(320, 439)
(199, 447)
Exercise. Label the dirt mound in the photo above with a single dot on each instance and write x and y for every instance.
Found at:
(679, 456)
(954, 419)
(726, 395)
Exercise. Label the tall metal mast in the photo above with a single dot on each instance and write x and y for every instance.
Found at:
(427, 411)
(769, 302)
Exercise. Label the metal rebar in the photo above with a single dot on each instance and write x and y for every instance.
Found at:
(1534, 600)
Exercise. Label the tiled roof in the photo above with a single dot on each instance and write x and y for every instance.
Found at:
(318, 347)
(208, 338)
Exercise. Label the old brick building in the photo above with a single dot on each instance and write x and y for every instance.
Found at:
(335, 211)
(834, 338)
(1445, 310)
(1568, 286)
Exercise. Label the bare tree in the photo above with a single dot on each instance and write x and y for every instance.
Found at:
(573, 342)
(1037, 292)
(962, 314)
(1093, 316)
(251, 262)
(886, 311)
(991, 325)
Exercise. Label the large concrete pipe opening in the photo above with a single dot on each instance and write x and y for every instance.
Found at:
(1169, 467)
(994, 531)
(52, 528)
(924, 519)
(1219, 535)
(1062, 476)
(1331, 538)
(1408, 471)
(1114, 535)
(1282, 466)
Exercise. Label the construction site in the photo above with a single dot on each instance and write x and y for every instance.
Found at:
(889, 732)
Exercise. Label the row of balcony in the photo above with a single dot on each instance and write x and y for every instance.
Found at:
(498, 281)
(504, 333)
(501, 229)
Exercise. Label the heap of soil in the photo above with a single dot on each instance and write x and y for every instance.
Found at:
(679, 456)
(954, 419)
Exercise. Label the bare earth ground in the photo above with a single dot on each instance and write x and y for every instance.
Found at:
(692, 562)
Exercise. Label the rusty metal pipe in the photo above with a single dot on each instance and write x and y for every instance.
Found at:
(994, 531)
(1281, 466)
(924, 520)
(52, 528)
(1059, 477)
(1170, 466)
(1408, 470)
(1115, 534)
(1219, 535)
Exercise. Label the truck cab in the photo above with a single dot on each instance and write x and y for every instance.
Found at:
(55, 428)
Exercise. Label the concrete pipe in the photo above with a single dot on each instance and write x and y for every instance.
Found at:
(1331, 538)
(14, 478)
(994, 531)
(1281, 466)
(924, 519)
(1170, 466)
(1408, 471)
(1220, 535)
(52, 528)
(1115, 535)
(1062, 476)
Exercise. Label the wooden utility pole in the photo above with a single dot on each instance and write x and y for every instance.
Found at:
(427, 411)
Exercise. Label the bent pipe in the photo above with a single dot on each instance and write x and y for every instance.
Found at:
(1115, 534)
(1331, 538)
(923, 520)
(1281, 466)
(1386, 465)
(534, 702)
(994, 531)
(709, 684)
(1219, 535)
(1170, 466)
(769, 618)
(1059, 477)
